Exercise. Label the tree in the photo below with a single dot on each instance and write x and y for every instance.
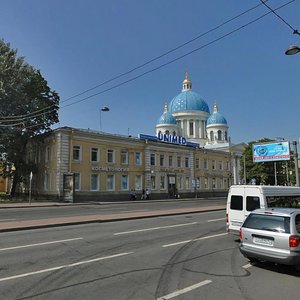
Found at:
(28, 108)
(264, 172)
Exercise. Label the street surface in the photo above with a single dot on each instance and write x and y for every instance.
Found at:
(35, 213)
(176, 257)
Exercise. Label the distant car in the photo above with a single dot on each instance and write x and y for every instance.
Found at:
(272, 235)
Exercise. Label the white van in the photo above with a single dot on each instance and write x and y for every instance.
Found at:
(242, 199)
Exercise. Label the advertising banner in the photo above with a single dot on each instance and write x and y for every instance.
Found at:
(274, 151)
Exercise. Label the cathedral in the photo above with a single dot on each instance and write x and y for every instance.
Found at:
(188, 115)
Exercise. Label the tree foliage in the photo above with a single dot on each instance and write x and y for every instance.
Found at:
(28, 107)
(264, 172)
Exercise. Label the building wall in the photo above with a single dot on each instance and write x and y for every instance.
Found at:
(165, 169)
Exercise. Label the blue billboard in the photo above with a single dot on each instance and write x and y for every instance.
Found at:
(275, 151)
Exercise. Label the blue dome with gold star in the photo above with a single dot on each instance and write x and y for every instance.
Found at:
(216, 117)
(187, 99)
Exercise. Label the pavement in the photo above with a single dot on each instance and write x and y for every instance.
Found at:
(97, 218)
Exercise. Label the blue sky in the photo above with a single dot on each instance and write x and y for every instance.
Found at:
(80, 44)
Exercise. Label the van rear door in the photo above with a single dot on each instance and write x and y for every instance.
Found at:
(236, 211)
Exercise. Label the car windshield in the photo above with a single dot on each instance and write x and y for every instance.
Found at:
(268, 222)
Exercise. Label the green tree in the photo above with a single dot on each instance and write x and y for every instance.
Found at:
(264, 172)
(28, 108)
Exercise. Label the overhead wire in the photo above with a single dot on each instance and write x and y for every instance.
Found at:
(20, 117)
(156, 68)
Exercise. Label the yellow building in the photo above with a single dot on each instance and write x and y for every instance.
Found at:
(76, 164)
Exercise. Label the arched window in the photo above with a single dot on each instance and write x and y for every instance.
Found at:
(167, 132)
(219, 135)
(226, 138)
(174, 132)
(211, 136)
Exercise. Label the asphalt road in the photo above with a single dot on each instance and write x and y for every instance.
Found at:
(178, 257)
(35, 213)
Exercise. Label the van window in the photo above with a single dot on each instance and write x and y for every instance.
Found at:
(252, 203)
(236, 202)
(284, 201)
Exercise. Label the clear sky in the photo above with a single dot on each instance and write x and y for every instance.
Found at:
(80, 44)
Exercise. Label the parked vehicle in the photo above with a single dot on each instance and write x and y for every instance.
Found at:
(242, 199)
(272, 235)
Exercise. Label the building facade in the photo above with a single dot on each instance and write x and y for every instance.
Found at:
(106, 167)
(190, 155)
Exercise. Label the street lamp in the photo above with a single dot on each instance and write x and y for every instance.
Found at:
(293, 49)
(105, 109)
(296, 163)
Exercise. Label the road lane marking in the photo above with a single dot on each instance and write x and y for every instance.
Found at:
(40, 244)
(5, 220)
(193, 240)
(247, 266)
(63, 266)
(215, 220)
(155, 228)
(185, 290)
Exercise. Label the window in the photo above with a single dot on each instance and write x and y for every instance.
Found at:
(153, 185)
(214, 183)
(124, 157)
(77, 153)
(152, 159)
(206, 183)
(252, 203)
(138, 158)
(219, 135)
(178, 162)
(220, 165)
(191, 127)
(94, 182)
(226, 136)
(205, 163)
(197, 163)
(187, 162)
(213, 164)
(110, 156)
(283, 201)
(161, 160)
(268, 222)
(77, 181)
(124, 183)
(94, 155)
(297, 223)
(236, 202)
(187, 183)
(211, 136)
(47, 182)
(138, 182)
(170, 161)
(162, 182)
(48, 154)
(179, 182)
(110, 182)
(227, 165)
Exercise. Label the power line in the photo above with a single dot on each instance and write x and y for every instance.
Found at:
(162, 65)
(295, 31)
(21, 117)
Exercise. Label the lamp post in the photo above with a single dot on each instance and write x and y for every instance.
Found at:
(105, 109)
(293, 49)
(296, 163)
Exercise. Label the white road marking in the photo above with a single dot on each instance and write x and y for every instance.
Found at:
(155, 228)
(247, 266)
(193, 240)
(5, 220)
(185, 290)
(63, 266)
(215, 220)
(40, 244)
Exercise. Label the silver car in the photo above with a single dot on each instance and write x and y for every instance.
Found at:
(272, 235)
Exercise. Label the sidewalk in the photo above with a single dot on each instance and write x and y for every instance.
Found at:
(97, 218)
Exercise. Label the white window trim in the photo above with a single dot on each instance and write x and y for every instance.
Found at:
(79, 182)
(114, 183)
(80, 153)
(127, 188)
(98, 155)
(97, 189)
(113, 154)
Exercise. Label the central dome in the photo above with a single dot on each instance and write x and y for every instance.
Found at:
(188, 100)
